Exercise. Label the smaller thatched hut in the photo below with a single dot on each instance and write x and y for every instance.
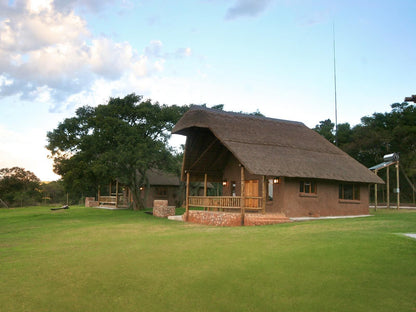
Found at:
(161, 186)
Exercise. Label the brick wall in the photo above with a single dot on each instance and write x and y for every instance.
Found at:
(162, 210)
(91, 202)
(214, 218)
(234, 219)
(265, 219)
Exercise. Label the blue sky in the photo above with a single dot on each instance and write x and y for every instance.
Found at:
(275, 56)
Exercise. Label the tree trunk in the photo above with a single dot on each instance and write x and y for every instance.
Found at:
(135, 184)
(138, 203)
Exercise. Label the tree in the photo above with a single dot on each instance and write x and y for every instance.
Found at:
(344, 134)
(19, 187)
(53, 192)
(378, 135)
(120, 140)
(326, 129)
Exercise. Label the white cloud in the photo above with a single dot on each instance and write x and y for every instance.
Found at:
(90, 5)
(154, 49)
(247, 8)
(39, 5)
(51, 53)
(31, 29)
(183, 52)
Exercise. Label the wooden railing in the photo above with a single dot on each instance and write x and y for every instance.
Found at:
(225, 202)
(107, 199)
(111, 200)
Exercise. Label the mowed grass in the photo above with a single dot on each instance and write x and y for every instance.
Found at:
(85, 259)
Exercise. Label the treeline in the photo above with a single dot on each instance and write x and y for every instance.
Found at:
(19, 187)
(378, 135)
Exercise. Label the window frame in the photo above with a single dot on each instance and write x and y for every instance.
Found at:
(270, 187)
(233, 188)
(355, 192)
(312, 188)
(162, 191)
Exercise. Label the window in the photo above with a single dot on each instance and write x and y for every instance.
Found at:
(270, 185)
(162, 191)
(233, 188)
(307, 187)
(349, 191)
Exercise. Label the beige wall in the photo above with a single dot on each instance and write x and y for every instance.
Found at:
(288, 200)
(324, 203)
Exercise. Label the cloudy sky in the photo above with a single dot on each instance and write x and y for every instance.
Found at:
(272, 55)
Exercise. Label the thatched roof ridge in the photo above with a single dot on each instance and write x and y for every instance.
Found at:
(275, 147)
(161, 178)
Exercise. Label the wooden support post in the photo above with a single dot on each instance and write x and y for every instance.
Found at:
(117, 194)
(205, 188)
(242, 201)
(264, 193)
(187, 197)
(388, 186)
(398, 185)
(99, 194)
(375, 193)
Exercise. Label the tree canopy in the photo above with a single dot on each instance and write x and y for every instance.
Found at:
(19, 187)
(378, 135)
(326, 129)
(119, 140)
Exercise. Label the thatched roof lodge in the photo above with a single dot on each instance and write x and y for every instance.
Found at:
(273, 165)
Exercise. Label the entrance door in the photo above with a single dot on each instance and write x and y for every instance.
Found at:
(251, 189)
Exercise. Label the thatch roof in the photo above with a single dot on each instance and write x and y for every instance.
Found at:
(264, 146)
(158, 177)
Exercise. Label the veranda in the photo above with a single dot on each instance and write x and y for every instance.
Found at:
(243, 203)
(117, 196)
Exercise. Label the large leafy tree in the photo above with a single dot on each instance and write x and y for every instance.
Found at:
(19, 187)
(120, 140)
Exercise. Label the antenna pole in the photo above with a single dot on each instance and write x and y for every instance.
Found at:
(335, 87)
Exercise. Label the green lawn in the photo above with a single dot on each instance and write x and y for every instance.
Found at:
(85, 259)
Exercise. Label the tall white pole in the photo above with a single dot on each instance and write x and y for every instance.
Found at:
(335, 87)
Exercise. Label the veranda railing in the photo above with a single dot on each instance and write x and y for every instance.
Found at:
(226, 203)
(113, 200)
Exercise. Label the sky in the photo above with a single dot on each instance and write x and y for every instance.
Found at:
(275, 56)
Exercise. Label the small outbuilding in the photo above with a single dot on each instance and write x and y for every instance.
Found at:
(269, 166)
(161, 186)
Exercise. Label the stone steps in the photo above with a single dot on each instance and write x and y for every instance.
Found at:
(265, 219)
(234, 219)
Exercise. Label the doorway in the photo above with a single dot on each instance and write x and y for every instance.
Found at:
(251, 188)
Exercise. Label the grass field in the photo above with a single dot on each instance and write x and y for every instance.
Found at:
(85, 259)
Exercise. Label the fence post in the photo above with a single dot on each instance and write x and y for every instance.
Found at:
(117, 194)
(398, 185)
(375, 193)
